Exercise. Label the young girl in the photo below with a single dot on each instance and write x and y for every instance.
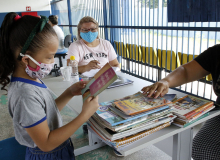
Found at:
(28, 45)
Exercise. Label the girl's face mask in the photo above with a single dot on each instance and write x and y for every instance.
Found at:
(41, 71)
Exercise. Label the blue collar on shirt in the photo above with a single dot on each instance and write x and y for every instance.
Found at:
(14, 79)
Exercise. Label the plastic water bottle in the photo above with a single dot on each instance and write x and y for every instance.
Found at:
(74, 64)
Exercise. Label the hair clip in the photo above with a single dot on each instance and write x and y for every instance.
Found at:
(17, 18)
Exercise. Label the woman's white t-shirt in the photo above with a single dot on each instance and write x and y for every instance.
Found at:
(104, 52)
(60, 36)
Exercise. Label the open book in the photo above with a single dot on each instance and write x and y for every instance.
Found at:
(101, 80)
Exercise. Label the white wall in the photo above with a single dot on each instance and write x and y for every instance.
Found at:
(20, 5)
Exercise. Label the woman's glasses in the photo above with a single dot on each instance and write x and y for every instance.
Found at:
(91, 29)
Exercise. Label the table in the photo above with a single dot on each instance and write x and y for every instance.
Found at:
(175, 141)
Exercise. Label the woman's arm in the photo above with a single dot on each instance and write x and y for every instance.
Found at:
(114, 63)
(184, 74)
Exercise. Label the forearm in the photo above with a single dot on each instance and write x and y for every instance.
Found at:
(177, 77)
(82, 69)
(58, 136)
(116, 65)
(63, 99)
(186, 73)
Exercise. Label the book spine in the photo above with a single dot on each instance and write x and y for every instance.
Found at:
(195, 120)
(138, 136)
(194, 116)
(189, 114)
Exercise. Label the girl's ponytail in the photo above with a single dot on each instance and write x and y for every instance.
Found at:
(7, 60)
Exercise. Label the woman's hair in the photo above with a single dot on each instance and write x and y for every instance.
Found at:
(53, 19)
(13, 35)
(86, 19)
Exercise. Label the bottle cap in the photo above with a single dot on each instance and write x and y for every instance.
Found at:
(72, 58)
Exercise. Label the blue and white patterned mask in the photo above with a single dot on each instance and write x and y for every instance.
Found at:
(89, 36)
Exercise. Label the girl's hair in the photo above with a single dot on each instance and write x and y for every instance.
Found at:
(13, 35)
(53, 19)
(86, 19)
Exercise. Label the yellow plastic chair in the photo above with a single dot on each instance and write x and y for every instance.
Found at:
(185, 58)
(135, 52)
(165, 58)
(121, 49)
(148, 55)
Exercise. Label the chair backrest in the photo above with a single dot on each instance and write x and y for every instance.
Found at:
(134, 52)
(121, 49)
(168, 60)
(149, 55)
(67, 41)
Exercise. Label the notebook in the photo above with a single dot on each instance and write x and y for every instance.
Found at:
(121, 81)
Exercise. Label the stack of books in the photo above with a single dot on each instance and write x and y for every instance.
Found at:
(123, 121)
(190, 109)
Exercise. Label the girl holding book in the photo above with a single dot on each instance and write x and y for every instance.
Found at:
(206, 142)
(28, 45)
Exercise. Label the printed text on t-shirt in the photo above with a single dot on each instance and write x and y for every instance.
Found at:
(90, 55)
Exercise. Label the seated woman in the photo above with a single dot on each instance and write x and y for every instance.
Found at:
(89, 50)
(53, 21)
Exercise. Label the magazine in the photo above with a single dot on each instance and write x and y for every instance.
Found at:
(142, 103)
(113, 119)
(187, 106)
(133, 123)
(114, 135)
(102, 79)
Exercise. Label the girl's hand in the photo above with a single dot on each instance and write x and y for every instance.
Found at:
(93, 65)
(159, 88)
(76, 88)
(90, 106)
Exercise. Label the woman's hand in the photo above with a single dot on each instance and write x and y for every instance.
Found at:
(90, 106)
(76, 88)
(159, 88)
(92, 65)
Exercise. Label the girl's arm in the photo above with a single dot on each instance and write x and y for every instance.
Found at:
(65, 97)
(184, 74)
(48, 140)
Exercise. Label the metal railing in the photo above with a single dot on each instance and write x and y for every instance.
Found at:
(149, 46)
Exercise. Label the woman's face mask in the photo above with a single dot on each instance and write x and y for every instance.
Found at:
(41, 71)
(89, 36)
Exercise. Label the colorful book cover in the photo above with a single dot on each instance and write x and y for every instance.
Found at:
(142, 103)
(102, 79)
(188, 105)
(179, 124)
(118, 144)
(117, 135)
(132, 123)
(113, 119)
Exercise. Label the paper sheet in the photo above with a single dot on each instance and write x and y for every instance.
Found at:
(92, 72)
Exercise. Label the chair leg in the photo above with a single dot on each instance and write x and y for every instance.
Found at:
(60, 60)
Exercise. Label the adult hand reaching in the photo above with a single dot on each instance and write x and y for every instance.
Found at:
(157, 89)
(93, 65)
